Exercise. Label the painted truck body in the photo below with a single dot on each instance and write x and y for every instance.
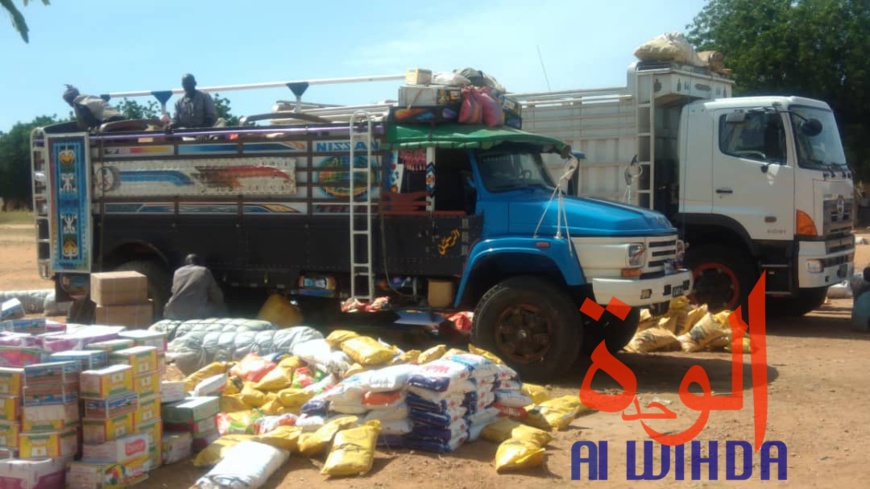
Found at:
(748, 185)
(279, 207)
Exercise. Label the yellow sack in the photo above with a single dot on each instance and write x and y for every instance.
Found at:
(210, 370)
(313, 444)
(233, 386)
(692, 319)
(409, 356)
(286, 437)
(537, 393)
(515, 454)
(710, 327)
(653, 339)
(529, 433)
(366, 351)
(485, 354)
(214, 452)
(353, 450)
(337, 337)
(500, 430)
(557, 413)
(279, 311)
(252, 396)
(273, 407)
(294, 398)
(747, 346)
(355, 369)
(279, 377)
(431, 354)
(233, 404)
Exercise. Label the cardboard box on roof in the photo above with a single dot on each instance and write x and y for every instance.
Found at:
(119, 288)
(130, 315)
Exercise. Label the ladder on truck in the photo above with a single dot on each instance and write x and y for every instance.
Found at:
(361, 230)
(645, 151)
(41, 202)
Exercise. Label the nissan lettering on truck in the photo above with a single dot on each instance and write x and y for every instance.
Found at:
(440, 190)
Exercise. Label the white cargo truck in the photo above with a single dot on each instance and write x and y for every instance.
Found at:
(754, 184)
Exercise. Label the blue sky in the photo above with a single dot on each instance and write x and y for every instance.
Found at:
(104, 46)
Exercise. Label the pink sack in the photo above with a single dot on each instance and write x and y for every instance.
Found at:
(493, 115)
(470, 112)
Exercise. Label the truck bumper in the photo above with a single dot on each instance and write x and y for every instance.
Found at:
(818, 268)
(643, 292)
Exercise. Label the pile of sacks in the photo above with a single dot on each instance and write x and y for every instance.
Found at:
(684, 327)
(344, 396)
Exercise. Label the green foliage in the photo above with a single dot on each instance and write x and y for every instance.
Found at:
(132, 109)
(15, 179)
(18, 22)
(222, 107)
(811, 48)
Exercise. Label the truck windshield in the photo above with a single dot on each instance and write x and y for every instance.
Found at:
(509, 169)
(823, 151)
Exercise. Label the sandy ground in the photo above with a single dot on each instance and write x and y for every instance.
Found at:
(818, 407)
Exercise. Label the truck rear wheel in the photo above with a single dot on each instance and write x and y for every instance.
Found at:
(615, 332)
(159, 282)
(531, 324)
(723, 277)
(806, 301)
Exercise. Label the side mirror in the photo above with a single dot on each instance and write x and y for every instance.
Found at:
(566, 152)
(811, 127)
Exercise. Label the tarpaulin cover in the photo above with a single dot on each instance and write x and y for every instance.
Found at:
(401, 136)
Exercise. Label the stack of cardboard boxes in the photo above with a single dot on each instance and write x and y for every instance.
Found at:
(50, 424)
(122, 299)
(195, 415)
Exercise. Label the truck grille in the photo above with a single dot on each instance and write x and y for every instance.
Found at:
(659, 252)
(837, 227)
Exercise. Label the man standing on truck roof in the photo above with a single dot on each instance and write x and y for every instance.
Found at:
(195, 293)
(195, 108)
(90, 111)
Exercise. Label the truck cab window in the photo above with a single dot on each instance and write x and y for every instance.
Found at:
(761, 136)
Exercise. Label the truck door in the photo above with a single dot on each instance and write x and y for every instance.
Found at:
(752, 182)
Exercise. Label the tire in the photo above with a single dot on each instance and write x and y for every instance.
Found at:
(615, 332)
(806, 301)
(531, 324)
(159, 282)
(723, 276)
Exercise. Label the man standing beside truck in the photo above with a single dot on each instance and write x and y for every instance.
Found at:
(195, 293)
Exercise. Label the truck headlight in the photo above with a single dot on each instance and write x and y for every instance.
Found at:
(636, 253)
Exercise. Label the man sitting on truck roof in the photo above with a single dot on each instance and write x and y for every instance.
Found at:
(195, 108)
(91, 112)
(195, 293)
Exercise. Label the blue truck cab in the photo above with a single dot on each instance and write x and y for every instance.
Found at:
(395, 200)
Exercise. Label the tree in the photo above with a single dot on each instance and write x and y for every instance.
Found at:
(222, 107)
(15, 158)
(132, 109)
(811, 48)
(18, 22)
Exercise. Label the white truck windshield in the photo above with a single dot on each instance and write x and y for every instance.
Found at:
(823, 151)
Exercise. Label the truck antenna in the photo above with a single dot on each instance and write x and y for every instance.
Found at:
(541, 58)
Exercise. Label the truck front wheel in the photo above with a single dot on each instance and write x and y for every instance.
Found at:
(723, 276)
(531, 324)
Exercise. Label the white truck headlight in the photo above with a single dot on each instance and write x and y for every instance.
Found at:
(636, 253)
(815, 266)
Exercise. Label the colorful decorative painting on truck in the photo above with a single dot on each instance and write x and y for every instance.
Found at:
(200, 149)
(70, 185)
(261, 175)
(205, 208)
(332, 176)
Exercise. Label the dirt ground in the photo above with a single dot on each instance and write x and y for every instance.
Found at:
(818, 407)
